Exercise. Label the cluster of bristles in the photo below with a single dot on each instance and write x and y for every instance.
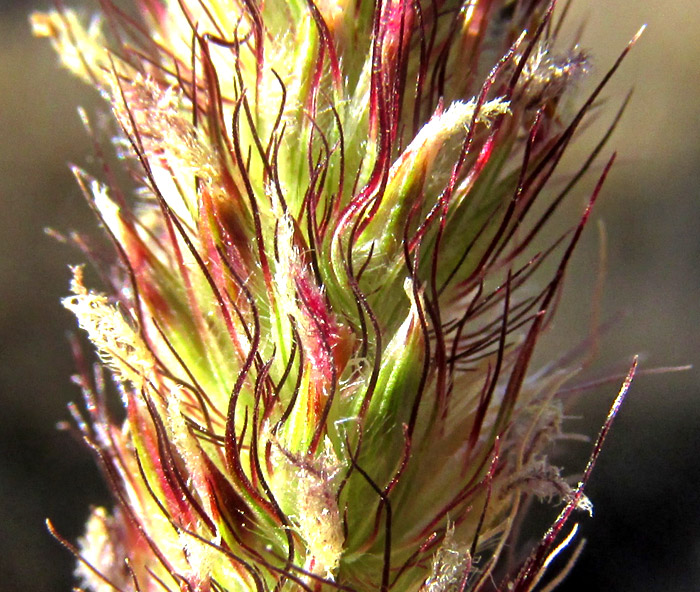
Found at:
(321, 314)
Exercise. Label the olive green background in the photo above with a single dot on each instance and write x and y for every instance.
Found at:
(645, 534)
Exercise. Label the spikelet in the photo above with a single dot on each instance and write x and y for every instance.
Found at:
(118, 344)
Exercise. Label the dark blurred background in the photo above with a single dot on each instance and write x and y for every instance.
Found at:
(645, 534)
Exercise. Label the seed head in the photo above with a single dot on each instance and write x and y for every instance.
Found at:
(325, 295)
